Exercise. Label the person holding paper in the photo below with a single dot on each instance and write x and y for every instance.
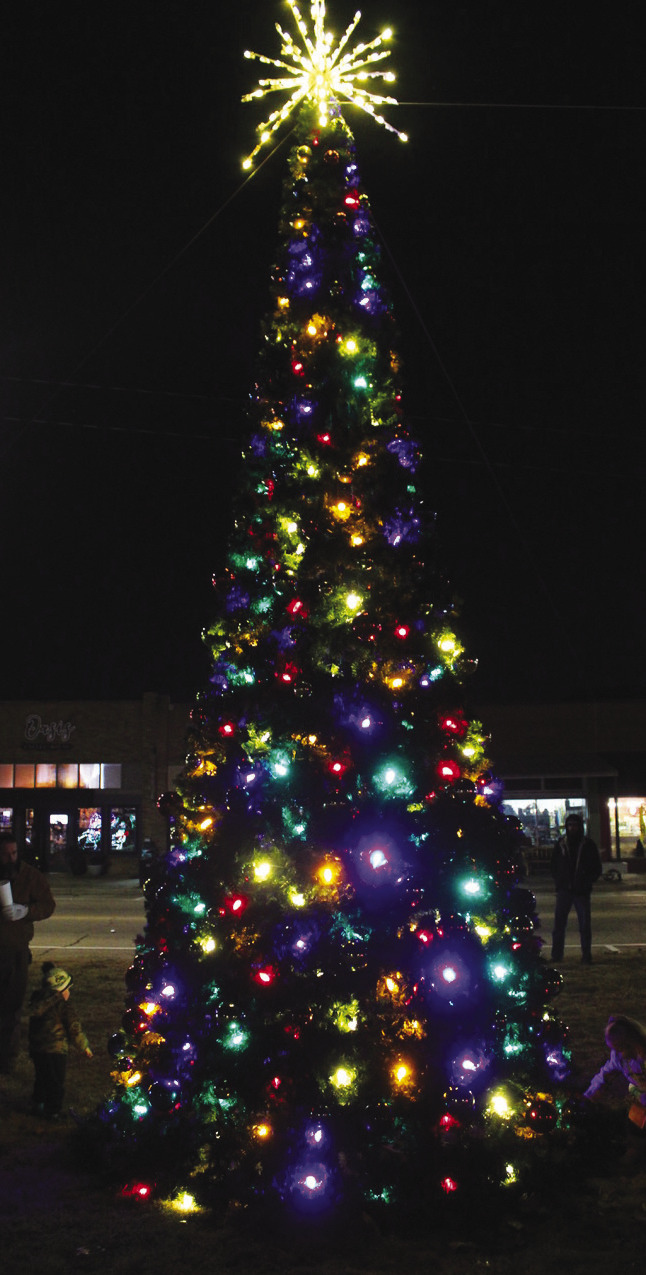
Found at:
(25, 897)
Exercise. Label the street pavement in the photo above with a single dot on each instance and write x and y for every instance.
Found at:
(104, 916)
(101, 915)
(618, 915)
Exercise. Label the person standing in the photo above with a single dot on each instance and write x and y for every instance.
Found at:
(575, 866)
(53, 1025)
(25, 897)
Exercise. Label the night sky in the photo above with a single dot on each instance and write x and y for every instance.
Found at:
(135, 263)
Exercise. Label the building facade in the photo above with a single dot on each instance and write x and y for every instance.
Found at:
(80, 781)
(585, 756)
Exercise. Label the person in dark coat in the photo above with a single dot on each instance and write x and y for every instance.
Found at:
(575, 866)
(25, 897)
(53, 1026)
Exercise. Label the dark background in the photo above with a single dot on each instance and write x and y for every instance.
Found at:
(135, 259)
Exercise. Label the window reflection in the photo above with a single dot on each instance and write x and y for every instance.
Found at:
(24, 775)
(45, 774)
(89, 774)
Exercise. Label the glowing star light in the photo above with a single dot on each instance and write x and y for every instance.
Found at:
(321, 73)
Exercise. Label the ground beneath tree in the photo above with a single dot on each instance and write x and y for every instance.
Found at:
(55, 1214)
(60, 1218)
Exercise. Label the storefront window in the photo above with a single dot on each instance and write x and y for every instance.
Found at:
(6, 819)
(543, 818)
(90, 829)
(6, 776)
(123, 830)
(628, 817)
(45, 774)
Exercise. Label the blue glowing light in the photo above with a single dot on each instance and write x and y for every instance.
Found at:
(315, 1135)
(310, 1185)
(361, 226)
(303, 407)
(469, 1066)
(377, 859)
(448, 977)
(557, 1061)
(237, 599)
(406, 452)
(402, 528)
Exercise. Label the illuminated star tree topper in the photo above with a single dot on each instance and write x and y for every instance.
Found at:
(322, 73)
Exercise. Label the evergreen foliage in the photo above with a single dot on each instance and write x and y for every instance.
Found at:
(338, 1002)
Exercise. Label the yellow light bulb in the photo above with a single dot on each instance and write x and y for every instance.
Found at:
(342, 1077)
(447, 643)
(184, 1203)
(499, 1105)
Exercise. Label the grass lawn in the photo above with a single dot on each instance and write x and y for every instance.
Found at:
(57, 1218)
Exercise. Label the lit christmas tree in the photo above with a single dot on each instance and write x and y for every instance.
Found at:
(338, 1001)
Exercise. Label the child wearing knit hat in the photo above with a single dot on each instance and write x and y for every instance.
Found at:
(53, 1024)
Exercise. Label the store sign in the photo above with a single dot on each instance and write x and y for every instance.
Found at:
(50, 732)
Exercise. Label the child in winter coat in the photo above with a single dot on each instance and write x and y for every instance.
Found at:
(626, 1040)
(52, 1025)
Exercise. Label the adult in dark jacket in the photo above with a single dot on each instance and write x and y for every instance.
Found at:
(25, 898)
(575, 865)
